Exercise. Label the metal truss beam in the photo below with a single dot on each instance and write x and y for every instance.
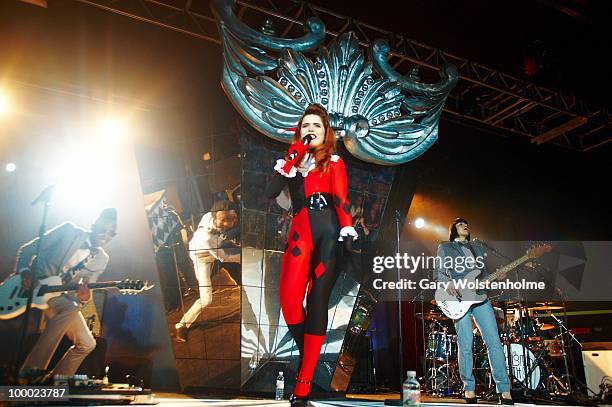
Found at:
(483, 95)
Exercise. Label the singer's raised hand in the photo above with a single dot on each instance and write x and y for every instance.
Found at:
(295, 153)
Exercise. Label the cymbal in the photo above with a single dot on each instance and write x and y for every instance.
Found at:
(545, 307)
(431, 316)
(545, 327)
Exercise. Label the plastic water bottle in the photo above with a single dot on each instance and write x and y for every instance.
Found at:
(411, 390)
(280, 386)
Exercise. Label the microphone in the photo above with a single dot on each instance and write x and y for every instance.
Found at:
(45, 195)
(481, 242)
(306, 140)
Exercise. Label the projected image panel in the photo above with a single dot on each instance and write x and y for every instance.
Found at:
(195, 224)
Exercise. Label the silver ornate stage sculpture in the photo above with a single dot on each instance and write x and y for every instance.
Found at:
(381, 116)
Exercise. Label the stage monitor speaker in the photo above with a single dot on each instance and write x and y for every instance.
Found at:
(597, 364)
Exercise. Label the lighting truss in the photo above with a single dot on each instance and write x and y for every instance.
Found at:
(483, 96)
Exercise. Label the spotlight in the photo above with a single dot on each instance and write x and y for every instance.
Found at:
(10, 167)
(419, 223)
(111, 129)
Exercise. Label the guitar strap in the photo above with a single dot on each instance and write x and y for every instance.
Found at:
(469, 246)
(68, 274)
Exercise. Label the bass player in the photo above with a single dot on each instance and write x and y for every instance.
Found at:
(459, 246)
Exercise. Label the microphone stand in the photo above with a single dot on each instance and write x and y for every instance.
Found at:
(180, 276)
(400, 401)
(572, 387)
(45, 198)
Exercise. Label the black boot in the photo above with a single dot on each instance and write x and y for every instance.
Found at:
(505, 401)
(295, 401)
(470, 400)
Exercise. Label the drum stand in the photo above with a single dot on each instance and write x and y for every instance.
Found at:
(432, 372)
(440, 379)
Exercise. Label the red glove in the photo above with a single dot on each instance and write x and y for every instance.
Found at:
(294, 155)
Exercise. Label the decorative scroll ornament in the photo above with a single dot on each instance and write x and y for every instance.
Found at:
(381, 116)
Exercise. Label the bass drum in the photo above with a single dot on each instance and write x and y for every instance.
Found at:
(534, 374)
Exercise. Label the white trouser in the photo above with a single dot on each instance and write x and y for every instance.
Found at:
(63, 318)
(203, 271)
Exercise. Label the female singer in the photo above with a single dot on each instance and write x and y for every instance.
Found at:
(321, 217)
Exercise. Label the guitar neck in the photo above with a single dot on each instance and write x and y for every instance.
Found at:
(508, 267)
(74, 287)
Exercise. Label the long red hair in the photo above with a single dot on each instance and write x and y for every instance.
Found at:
(323, 153)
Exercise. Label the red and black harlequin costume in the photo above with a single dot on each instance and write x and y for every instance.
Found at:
(321, 217)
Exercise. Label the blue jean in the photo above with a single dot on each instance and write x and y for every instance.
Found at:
(485, 320)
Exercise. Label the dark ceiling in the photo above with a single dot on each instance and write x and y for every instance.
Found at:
(570, 38)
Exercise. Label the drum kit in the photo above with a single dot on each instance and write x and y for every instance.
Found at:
(537, 352)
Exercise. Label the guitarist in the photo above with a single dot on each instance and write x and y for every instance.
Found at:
(211, 245)
(459, 246)
(77, 255)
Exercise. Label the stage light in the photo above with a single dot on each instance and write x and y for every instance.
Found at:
(39, 3)
(111, 129)
(10, 167)
(4, 103)
(86, 174)
(419, 223)
(442, 232)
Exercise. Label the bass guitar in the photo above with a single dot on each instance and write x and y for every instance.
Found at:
(456, 307)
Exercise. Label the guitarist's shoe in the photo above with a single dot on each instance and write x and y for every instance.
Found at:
(35, 377)
(181, 334)
(506, 399)
(470, 397)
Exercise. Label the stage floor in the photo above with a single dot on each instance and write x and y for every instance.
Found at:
(365, 400)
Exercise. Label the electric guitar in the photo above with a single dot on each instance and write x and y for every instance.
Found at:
(13, 298)
(456, 307)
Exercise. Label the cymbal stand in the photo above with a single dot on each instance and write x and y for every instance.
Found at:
(565, 349)
(561, 336)
(562, 331)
